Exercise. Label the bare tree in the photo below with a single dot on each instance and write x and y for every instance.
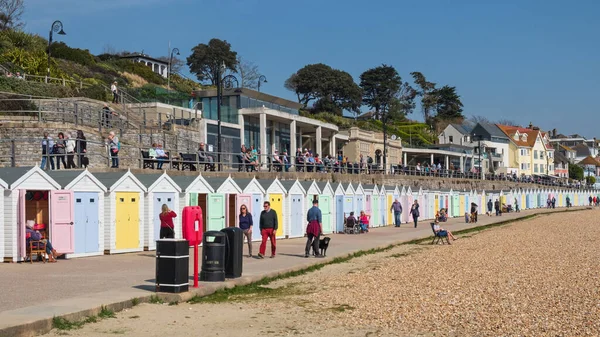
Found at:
(506, 121)
(10, 14)
(248, 72)
(109, 49)
(175, 66)
(479, 119)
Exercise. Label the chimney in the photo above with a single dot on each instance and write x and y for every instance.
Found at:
(530, 126)
(554, 133)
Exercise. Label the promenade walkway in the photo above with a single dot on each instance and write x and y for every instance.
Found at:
(32, 294)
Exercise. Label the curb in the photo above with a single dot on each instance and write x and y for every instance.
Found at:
(39, 326)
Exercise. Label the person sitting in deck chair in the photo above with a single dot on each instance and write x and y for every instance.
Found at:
(441, 231)
(37, 236)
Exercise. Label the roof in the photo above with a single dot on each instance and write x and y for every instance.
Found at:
(462, 128)
(108, 179)
(589, 160)
(215, 182)
(559, 157)
(148, 179)
(493, 130)
(183, 181)
(11, 174)
(321, 185)
(243, 183)
(265, 183)
(510, 131)
(140, 55)
(581, 150)
(566, 148)
(306, 184)
(368, 187)
(287, 184)
(252, 94)
(64, 177)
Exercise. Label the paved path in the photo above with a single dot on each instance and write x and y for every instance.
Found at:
(34, 293)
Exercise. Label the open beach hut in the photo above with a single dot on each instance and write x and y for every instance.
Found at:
(124, 221)
(339, 207)
(33, 195)
(194, 192)
(276, 195)
(3, 187)
(327, 206)
(88, 210)
(161, 189)
(231, 190)
(295, 208)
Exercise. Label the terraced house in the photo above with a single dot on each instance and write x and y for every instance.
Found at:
(529, 150)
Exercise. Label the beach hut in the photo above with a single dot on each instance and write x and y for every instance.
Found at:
(33, 195)
(405, 205)
(312, 192)
(276, 195)
(350, 201)
(338, 192)
(375, 220)
(387, 199)
(368, 201)
(359, 199)
(194, 192)
(253, 195)
(295, 208)
(231, 190)
(462, 200)
(3, 187)
(88, 210)
(502, 198)
(327, 205)
(161, 189)
(124, 221)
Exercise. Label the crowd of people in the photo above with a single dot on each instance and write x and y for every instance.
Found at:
(63, 149)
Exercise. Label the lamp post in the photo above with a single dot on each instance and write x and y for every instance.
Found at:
(384, 122)
(57, 27)
(175, 50)
(478, 139)
(261, 79)
(228, 82)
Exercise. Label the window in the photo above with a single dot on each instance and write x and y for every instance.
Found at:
(541, 154)
(535, 168)
(535, 156)
(451, 139)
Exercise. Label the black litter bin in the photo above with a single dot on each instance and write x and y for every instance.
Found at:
(213, 257)
(233, 251)
(172, 265)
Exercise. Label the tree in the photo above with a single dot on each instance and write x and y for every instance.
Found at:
(207, 59)
(381, 86)
(590, 180)
(10, 14)
(333, 90)
(248, 72)
(447, 103)
(176, 65)
(479, 119)
(509, 122)
(426, 92)
(575, 172)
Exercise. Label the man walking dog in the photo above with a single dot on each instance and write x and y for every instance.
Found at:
(313, 229)
(397, 209)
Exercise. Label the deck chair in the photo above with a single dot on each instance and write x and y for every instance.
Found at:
(35, 248)
(437, 236)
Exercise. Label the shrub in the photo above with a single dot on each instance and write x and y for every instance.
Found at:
(14, 85)
(81, 56)
(19, 39)
(141, 70)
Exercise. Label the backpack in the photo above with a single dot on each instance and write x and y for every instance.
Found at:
(369, 160)
(119, 146)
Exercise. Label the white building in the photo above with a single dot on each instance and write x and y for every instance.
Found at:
(157, 66)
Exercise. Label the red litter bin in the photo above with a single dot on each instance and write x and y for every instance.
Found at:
(188, 222)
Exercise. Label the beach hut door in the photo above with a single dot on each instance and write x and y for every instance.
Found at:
(216, 212)
(61, 221)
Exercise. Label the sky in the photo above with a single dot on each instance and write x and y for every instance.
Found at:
(526, 61)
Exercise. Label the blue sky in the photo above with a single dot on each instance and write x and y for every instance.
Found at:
(528, 61)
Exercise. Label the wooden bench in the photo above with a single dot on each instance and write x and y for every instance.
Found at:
(149, 162)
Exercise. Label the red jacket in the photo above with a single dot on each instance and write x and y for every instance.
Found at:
(166, 220)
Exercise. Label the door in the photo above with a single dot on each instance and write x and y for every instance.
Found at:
(436, 204)
(257, 206)
(374, 211)
(359, 204)
(193, 199)
(390, 201)
(128, 220)
(21, 222)
(339, 213)
(86, 222)
(61, 221)
(159, 199)
(277, 205)
(246, 199)
(216, 212)
(325, 206)
(367, 206)
(296, 218)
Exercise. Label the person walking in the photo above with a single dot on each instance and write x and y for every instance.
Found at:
(568, 200)
(70, 148)
(414, 211)
(517, 209)
(82, 149)
(268, 228)
(245, 224)
(113, 145)
(489, 207)
(167, 228)
(313, 229)
(590, 199)
(59, 149)
(397, 209)
(497, 207)
(553, 202)
(115, 92)
(47, 147)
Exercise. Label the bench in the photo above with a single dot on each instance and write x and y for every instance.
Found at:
(275, 166)
(188, 160)
(244, 165)
(149, 162)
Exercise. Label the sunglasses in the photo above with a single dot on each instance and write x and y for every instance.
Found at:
(265, 206)
(243, 207)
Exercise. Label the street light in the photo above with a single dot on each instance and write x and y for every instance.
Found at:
(262, 79)
(478, 138)
(227, 82)
(57, 27)
(175, 50)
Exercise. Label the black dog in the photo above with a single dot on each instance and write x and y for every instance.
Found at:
(323, 245)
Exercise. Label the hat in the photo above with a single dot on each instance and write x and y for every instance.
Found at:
(29, 195)
(38, 195)
(315, 201)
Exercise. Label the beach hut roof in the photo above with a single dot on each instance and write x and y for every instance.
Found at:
(185, 182)
(68, 178)
(14, 176)
(215, 182)
(113, 179)
(308, 184)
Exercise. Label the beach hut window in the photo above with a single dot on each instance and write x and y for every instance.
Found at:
(92, 200)
(132, 199)
(78, 201)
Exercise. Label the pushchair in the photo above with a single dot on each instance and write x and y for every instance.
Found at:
(351, 225)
